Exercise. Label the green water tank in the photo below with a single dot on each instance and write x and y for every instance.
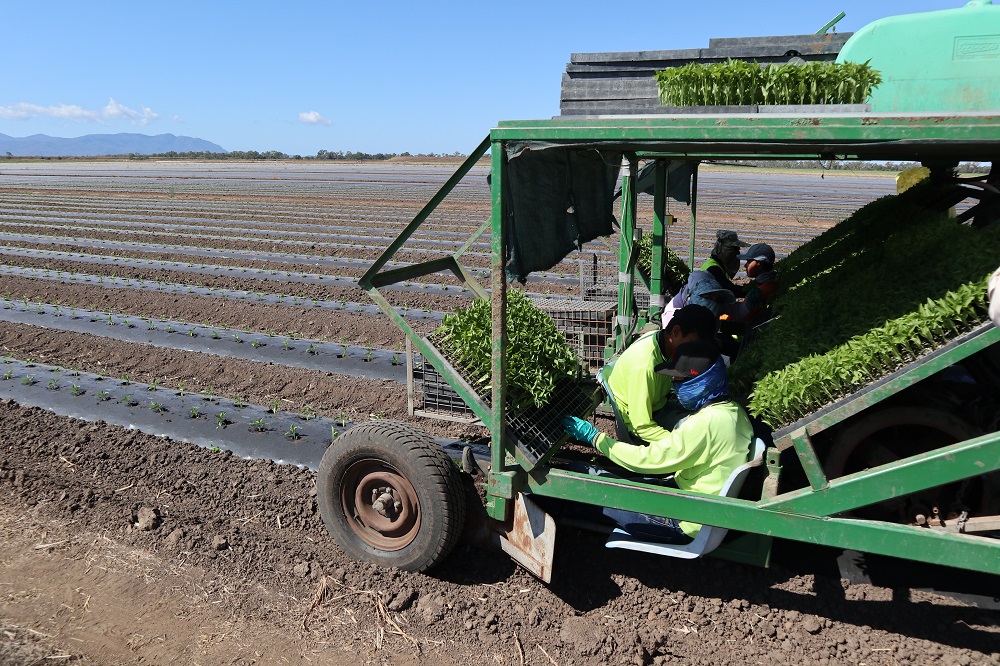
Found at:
(946, 60)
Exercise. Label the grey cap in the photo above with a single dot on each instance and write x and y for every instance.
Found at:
(758, 252)
(727, 237)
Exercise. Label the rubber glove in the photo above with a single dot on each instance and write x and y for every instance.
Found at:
(580, 430)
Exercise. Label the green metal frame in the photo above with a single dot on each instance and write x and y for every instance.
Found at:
(811, 514)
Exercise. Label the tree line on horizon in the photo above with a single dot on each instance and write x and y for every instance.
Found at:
(277, 155)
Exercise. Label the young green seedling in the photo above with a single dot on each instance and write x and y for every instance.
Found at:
(195, 411)
(29, 380)
(76, 390)
(157, 407)
(220, 420)
(293, 432)
(103, 396)
(53, 385)
(260, 425)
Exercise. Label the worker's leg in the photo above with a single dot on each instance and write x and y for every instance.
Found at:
(648, 528)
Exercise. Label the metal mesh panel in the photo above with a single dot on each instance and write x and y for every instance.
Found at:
(599, 282)
(587, 325)
(535, 431)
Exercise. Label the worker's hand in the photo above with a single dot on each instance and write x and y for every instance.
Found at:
(580, 430)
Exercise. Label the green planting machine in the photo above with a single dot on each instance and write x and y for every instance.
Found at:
(883, 400)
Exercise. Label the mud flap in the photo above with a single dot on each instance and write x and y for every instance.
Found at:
(532, 538)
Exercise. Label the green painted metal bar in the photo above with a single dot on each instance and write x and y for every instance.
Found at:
(497, 507)
(935, 547)
(809, 460)
(694, 214)
(413, 271)
(469, 280)
(426, 268)
(952, 353)
(625, 252)
(832, 22)
(910, 475)
(655, 285)
(916, 129)
(429, 207)
(472, 239)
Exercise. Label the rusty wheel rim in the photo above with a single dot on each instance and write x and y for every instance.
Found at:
(381, 506)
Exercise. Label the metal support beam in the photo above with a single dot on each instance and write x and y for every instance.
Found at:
(498, 506)
(904, 477)
(655, 285)
(933, 546)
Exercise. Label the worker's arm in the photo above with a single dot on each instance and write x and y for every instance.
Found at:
(640, 407)
(678, 450)
(720, 276)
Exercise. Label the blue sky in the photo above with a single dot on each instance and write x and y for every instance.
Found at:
(387, 76)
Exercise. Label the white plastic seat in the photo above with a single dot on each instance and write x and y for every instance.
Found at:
(709, 537)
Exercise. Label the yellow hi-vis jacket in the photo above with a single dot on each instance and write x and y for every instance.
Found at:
(702, 451)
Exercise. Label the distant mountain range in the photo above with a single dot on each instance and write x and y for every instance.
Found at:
(94, 145)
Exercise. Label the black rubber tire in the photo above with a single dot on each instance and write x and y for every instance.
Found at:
(418, 468)
(911, 429)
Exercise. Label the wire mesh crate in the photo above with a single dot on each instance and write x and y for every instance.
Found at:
(434, 398)
(599, 282)
(587, 325)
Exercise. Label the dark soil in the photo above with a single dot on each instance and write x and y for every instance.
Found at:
(253, 529)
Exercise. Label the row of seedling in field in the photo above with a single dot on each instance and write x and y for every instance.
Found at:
(210, 252)
(203, 406)
(224, 213)
(216, 292)
(50, 315)
(311, 239)
(211, 269)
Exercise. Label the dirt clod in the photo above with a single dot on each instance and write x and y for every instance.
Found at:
(147, 519)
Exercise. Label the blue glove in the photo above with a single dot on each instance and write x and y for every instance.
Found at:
(580, 430)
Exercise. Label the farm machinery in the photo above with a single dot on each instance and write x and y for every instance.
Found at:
(903, 464)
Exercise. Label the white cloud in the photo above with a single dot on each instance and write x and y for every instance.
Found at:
(111, 112)
(313, 118)
(116, 111)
